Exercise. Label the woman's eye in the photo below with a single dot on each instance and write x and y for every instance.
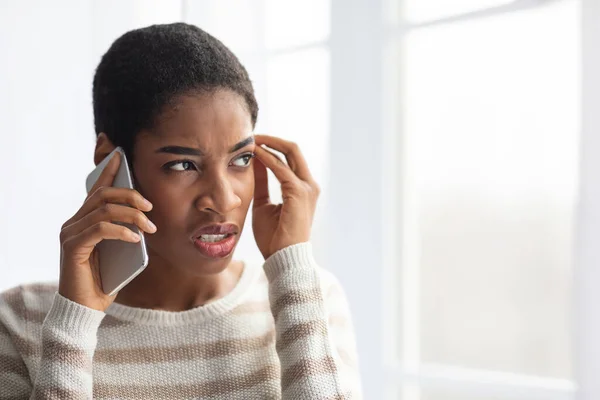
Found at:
(182, 166)
(243, 160)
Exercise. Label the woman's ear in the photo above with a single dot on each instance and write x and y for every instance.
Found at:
(103, 148)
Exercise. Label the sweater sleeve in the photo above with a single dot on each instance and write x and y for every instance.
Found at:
(68, 343)
(314, 335)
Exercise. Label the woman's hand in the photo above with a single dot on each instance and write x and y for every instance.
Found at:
(79, 269)
(277, 226)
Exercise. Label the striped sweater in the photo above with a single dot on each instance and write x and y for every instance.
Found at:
(283, 332)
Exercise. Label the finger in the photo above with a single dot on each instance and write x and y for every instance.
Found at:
(107, 176)
(104, 195)
(282, 172)
(94, 234)
(110, 213)
(261, 185)
(292, 153)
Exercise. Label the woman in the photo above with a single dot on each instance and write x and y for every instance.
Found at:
(195, 323)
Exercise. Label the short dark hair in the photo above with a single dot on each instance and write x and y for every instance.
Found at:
(146, 69)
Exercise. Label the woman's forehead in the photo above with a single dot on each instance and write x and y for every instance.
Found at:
(213, 120)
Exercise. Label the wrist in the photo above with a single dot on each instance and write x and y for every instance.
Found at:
(297, 256)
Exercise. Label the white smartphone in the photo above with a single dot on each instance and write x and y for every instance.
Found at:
(120, 261)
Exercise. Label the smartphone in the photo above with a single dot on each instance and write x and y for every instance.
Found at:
(120, 261)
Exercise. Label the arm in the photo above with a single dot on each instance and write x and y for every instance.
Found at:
(68, 344)
(314, 336)
(69, 331)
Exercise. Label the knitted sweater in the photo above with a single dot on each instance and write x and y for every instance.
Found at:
(283, 332)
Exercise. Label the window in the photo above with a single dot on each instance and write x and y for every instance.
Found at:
(490, 120)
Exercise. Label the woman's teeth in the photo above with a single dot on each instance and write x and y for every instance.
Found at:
(212, 238)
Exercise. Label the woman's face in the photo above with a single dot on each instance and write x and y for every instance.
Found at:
(196, 169)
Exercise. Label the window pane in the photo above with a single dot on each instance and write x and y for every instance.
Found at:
(254, 25)
(492, 112)
(295, 23)
(237, 23)
(297, 106)
(424, 10)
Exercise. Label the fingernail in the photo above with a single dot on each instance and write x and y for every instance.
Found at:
(151, 225)
(135, 236)
(148, 204)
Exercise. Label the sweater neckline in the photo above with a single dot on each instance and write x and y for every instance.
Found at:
(147, 316)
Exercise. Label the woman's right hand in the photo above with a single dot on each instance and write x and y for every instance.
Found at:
(79, 268)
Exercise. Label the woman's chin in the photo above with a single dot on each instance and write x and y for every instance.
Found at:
(205, 265)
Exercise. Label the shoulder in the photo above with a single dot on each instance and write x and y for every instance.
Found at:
(26, 303)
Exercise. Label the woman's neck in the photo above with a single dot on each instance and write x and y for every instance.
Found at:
(163, 287)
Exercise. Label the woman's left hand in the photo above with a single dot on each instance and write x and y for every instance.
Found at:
(277, 226)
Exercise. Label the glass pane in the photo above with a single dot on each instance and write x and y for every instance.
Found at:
(248, 26)
(297, 106)
(295, 23)
(237, 23)
(425, 10)
(491, 122)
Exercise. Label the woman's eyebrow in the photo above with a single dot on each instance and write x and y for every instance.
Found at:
(179, 150)
(242, 144)
(190, 151)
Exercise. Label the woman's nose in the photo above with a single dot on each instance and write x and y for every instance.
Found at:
(218, 197)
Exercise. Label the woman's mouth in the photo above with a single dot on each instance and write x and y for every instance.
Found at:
(212, 238)
(216, 246)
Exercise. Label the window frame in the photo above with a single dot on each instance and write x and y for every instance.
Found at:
(403, 378)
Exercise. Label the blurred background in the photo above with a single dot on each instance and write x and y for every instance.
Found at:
(456, 142)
